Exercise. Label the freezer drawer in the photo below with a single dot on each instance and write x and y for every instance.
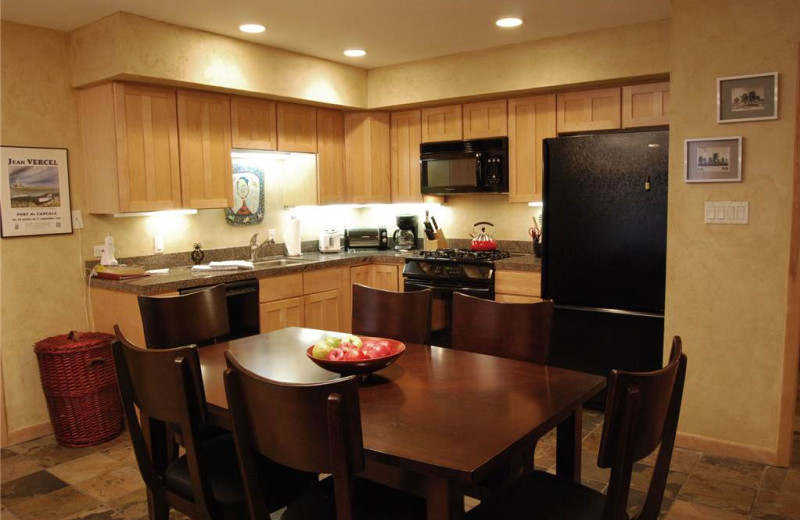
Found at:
(597, 341)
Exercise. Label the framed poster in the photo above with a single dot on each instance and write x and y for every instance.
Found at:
(716, 159)
(747, 98)
(248, 193)
(34, 192)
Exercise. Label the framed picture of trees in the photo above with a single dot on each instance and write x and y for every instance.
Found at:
(747, 98)
(713, 159)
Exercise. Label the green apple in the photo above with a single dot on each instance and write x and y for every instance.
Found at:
(355, 340)
(323, 347)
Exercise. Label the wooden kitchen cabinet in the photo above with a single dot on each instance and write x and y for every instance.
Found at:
(441, 124)
(406, 136)
(330, 157)
(517, 286)
(253, 123)
(485, 119)
(367, 157)
(281, 314)
(531, 120)
(645, 105)
(297, 128)
(327, 299)
(589, 110)
(111, 308)
(378, 276)
(204, 131)
(323, 310)
(130, 145)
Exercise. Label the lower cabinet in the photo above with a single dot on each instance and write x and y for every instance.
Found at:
(379, 276)
(281, 314)
(322, 310)
(111, 308)
(517, 286)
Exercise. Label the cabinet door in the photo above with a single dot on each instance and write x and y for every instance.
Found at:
(645, 105)
(322, 310)
(253, 124)
(441, 124)
(520, 283)
(366, 142)
(297, 128)
(330, 157)
(485, 119)
(589, 110)
(281, 314)
(204, 129)
(530, 121)
(384, 277)
(361, 274)
(148, 167)
(406, 136)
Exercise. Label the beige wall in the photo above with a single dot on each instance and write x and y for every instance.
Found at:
(609, 54)
(42, 290)
(727, 286)
(129, 46)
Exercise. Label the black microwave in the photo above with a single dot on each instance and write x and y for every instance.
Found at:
(474, 166)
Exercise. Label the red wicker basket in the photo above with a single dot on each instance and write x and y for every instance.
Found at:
(80, 386)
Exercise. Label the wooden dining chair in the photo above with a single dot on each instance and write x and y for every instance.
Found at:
(165, 386)
(642, 410)
(197, 318)
(404, 316)
(312, 427)
(511, 330)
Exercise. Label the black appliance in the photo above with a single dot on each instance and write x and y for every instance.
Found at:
(475, 166)
(366, 238)
(444, 272)
(604, 250)
(243, 307)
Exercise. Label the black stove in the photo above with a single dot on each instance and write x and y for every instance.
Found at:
(463, 255)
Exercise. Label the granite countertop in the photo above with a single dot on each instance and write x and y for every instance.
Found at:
(183, 277)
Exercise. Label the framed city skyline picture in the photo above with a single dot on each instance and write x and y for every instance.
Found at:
(747, 98)
(717, 159)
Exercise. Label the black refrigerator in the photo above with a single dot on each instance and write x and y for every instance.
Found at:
(604, 239)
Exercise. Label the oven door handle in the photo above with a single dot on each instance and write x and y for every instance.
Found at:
(467, 290)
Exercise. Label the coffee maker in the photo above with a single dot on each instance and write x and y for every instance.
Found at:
(405, 236)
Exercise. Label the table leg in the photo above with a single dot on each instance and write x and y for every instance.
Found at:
(568, 446)
(445, 499)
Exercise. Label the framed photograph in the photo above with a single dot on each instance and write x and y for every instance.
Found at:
(34, 192)
(248, 193)
(747, 98)
(716, 159)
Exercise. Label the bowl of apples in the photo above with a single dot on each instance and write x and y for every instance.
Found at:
(355, 355)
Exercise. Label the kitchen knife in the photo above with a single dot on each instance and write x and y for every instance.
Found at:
(435, 225)
(429, 231)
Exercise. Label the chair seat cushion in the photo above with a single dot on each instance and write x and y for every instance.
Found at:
(226, 482)
(371, 501)
(541, 496)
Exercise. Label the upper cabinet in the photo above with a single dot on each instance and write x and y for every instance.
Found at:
(406, 136)
(297, 128)
(204, 130)
(130, 142)
(441, 124)
(645, 105)
(531, 120)
(330, 157)
(253, 123)
(589, 110)
(366, 142)
(485, 119)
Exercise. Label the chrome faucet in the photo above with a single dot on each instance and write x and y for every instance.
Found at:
(255, 246)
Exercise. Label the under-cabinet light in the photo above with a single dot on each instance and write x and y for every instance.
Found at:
(166, 213)
(536, 204)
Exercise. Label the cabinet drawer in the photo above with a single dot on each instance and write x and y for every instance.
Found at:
(325, 280)
(280, 287)
(522, 283)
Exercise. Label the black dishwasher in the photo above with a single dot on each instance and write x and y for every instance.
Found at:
(243, 313)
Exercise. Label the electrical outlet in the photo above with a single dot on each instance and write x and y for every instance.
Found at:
(158, 244)
(77, 219)
(98, 250)
(271, 235)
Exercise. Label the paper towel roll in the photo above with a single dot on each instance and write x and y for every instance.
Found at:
(292, 237)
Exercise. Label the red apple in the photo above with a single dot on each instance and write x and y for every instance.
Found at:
(336, 354)
(354, 354)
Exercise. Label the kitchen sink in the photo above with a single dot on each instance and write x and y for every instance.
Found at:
(280, 262)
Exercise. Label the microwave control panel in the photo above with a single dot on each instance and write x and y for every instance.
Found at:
(494, 168)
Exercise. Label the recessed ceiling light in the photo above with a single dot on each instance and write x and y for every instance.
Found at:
(509, 22)
(355, 53)
(253, 28)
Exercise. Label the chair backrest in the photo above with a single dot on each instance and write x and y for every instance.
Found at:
(404, 316)
(642, 410)
(166, 387)
(199, 318)
(309, 427)
(511, 330)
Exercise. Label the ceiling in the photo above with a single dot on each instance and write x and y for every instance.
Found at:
(392, 31)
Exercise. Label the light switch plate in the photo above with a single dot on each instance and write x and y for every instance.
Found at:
(158, 244)
(726, 212)
(77, 219)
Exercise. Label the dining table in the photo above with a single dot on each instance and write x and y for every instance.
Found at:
(437, 420)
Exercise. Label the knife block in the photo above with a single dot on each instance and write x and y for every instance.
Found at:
(440, 242)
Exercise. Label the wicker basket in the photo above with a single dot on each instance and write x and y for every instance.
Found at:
(80, 386)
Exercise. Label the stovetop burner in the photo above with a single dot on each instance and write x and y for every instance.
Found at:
(464, 254)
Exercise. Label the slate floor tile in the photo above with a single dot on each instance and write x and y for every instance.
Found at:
(718, 494)
(681, 510)
(733, 471)
(17, 466)
(58, 504)
(39, 483)
(84, 468)
(771, 505)
(113, 484)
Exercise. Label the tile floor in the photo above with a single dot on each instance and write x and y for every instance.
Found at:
(41, 480)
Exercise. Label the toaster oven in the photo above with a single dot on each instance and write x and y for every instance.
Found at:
(366, 238)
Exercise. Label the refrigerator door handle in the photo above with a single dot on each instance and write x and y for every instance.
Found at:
(611, 311)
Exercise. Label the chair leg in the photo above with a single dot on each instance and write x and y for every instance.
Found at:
(157, 506)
